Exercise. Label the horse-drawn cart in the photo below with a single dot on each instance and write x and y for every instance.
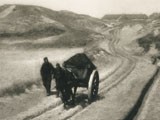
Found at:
(84, 73)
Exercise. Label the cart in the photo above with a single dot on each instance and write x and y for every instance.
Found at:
(84, 73)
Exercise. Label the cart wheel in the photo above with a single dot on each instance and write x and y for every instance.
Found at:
(93, 86)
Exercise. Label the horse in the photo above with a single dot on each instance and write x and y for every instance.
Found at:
(66, 84)
(75, 77)
(71, 83)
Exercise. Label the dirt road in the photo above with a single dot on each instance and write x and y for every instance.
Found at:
(151, 105)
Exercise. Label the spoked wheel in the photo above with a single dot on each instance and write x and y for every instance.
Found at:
(93, 86)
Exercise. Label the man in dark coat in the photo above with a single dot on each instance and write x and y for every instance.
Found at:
(47, 71)
(59, 77)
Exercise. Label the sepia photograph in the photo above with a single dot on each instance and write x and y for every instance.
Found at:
(79, 60)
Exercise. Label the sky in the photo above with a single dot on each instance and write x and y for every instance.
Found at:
(95, 8)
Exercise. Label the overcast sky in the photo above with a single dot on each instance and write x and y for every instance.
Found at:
(96, 8)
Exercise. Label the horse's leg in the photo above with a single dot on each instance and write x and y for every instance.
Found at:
(74, 94)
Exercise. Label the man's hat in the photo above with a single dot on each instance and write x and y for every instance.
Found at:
(45, 58)
(57, 64)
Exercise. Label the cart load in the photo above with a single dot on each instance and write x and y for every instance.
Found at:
(85, 73)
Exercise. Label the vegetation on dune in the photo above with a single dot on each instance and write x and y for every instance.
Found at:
(76, 38)
(18, 88)
(149, 39)
(27, 21)
(74, 21)
(20, 69)
(3, 7)
(155, 16)
(34, 33)
(124, 16)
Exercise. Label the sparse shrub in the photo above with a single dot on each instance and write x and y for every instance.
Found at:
(149, 39)
(20, 69)
(18, 88)
(35, 33)
(128, 16)
(154, 16)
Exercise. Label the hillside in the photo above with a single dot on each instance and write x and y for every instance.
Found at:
(20, 21)
(21, 25)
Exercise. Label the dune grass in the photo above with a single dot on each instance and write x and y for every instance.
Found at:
(18, 88)
(20, 69)
(146, 41)
(34, 33)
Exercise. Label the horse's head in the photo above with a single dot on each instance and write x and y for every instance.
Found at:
(69, 75)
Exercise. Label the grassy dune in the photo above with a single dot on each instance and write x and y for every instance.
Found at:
(20, 69)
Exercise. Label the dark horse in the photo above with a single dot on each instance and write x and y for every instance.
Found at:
(68, 82)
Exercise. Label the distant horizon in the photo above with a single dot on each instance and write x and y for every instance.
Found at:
(95, 8)
(85, 14)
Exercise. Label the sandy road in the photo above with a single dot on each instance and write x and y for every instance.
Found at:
(151, 104)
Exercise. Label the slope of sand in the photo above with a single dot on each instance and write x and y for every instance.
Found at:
(7, 11)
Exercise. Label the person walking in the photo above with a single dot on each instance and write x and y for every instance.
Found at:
(47, 70)
(59, 78)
